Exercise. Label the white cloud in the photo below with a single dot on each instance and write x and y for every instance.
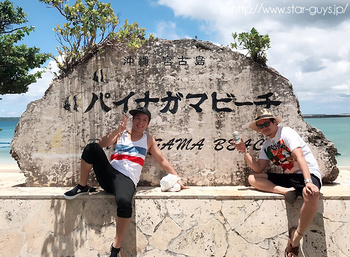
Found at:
(309, 45)
(343, 88)
(166, 30)
(312, 51)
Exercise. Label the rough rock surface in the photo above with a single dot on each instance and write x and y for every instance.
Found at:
(198, 93)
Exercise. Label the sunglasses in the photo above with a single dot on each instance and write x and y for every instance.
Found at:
(266, 124)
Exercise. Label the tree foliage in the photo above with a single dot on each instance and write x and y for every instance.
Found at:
(16, 61)
(132, 34)
(256, 44)
(89, 25)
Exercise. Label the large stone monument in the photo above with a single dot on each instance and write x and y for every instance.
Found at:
(198, 93)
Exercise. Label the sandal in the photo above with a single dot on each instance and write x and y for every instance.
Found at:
(290, 248)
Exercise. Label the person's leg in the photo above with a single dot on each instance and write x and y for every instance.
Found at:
(85, 169)
(121, 228)
(261, 182)
(307, 213)
(124, 192)
(111, 181)
(94, 157)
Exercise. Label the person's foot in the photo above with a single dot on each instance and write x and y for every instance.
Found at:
(76, 191)
(291, 196)
(292, 249)
(114, 251)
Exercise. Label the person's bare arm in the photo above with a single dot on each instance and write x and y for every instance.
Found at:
(163, 162)
(257, 165)
(298, 155)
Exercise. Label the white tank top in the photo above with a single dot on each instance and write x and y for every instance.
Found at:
(129, 156)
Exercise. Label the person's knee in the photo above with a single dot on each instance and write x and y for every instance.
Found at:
(92, 147)
(251, 179)
(124, 208)
(89, 152)
(310, 199)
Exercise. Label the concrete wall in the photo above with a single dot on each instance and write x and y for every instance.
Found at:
(199, 93)
(201, 221)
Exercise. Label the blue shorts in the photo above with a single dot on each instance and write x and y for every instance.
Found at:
(295, 180)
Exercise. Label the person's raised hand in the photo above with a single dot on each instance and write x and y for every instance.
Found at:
(124, 122)
(240, 147)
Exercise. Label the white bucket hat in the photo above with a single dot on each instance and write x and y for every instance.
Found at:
(264, 114)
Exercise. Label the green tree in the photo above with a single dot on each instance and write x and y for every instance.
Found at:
(16, 60)
(256, 44)
(89, 25)
(132, 34)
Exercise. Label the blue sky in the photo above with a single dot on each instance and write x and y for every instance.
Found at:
(310, 40)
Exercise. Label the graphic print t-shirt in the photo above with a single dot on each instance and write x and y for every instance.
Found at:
(129, 156)
(279, 151)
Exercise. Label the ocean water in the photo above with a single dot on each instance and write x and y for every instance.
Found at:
(335, 129)
(7, 126)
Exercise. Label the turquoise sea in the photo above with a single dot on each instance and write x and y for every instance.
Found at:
(335, 129)
(7, 126)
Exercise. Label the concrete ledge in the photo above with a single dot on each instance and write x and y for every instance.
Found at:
(329, 192)
(12, 187)
(201, 221)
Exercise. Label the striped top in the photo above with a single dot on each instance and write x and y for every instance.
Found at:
(129, 156)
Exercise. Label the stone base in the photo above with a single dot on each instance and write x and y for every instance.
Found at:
(201, 221)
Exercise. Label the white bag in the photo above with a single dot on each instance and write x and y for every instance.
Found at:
(169, 183)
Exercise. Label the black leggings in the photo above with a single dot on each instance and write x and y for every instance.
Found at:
(111, 180)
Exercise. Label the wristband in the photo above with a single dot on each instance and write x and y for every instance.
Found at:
(307, 180)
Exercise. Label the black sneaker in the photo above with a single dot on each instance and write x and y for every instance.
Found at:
(76, 191)
(114, 251)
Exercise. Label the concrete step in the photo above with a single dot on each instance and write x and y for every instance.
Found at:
(200, 221)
